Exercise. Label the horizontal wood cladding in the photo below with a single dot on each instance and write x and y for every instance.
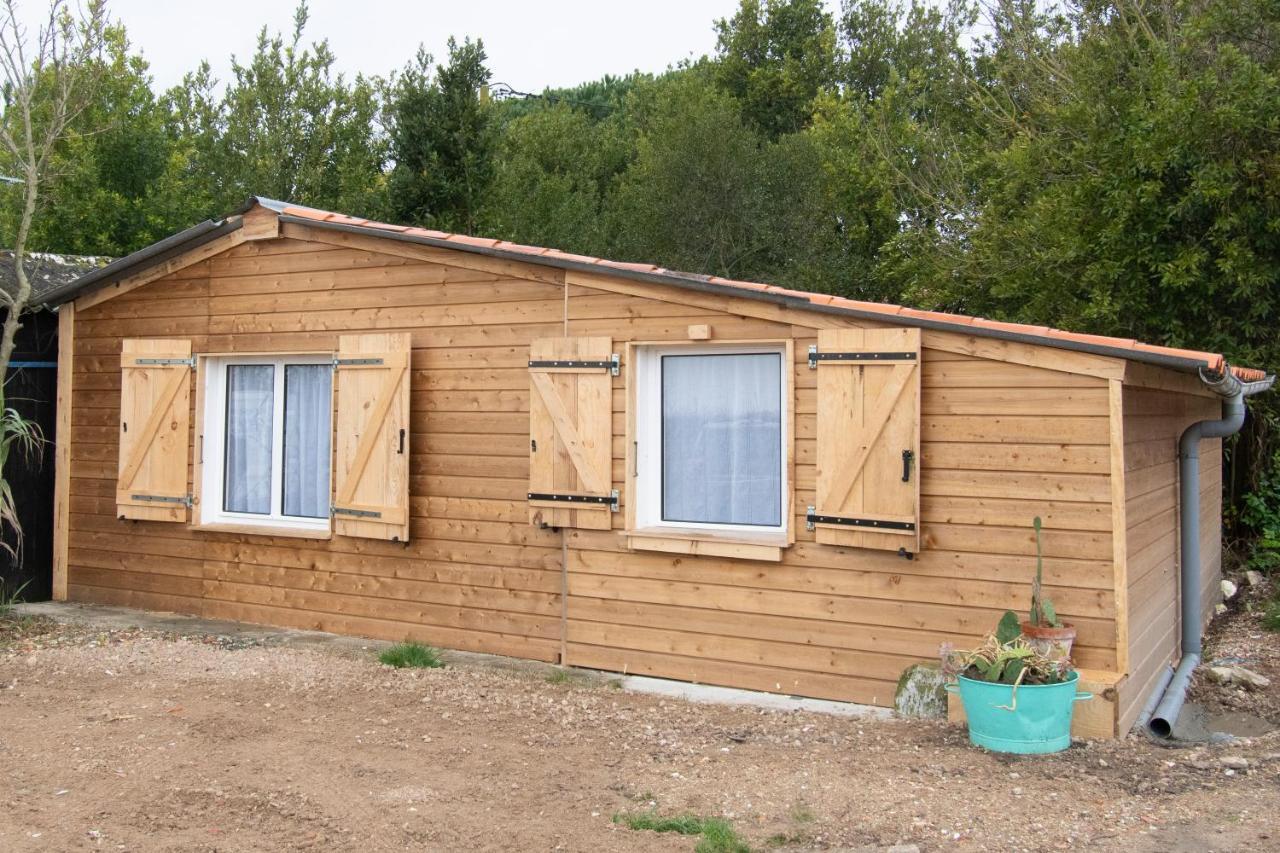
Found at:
(1153, 422)
(1000, 444)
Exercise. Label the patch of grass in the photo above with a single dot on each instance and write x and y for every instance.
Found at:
(558, 676)
(411, 655)
(685, 824)
(10, 597)
(718, 835)
(803, 814)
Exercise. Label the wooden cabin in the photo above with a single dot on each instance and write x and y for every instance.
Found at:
(298, 418)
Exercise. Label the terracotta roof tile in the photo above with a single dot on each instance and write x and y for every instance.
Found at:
(1212, 361)
(568, 256)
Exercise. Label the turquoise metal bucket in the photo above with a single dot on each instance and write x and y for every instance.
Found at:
(1034, 718)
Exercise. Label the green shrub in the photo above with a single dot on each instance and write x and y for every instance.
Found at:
(414, 655)
(1271, 615)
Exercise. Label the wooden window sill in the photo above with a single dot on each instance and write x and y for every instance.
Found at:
(696, 543)
(263, 530)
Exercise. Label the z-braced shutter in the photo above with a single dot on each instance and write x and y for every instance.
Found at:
(868, 438)
(571, 432)
(155, 420)
(371, 442)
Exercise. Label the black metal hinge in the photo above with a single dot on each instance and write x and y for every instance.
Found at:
(165, 362)
(611, 499)
(815, 356)
(613, 364)
(185, 500)
(356, 513)
(812, 518)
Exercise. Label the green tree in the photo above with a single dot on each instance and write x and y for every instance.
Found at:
(104, 174)
(442, 139)
(287, 127)
(775, 56)
(692, 198)
(554, 169)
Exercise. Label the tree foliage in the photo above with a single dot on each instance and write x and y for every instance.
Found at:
(441, 130)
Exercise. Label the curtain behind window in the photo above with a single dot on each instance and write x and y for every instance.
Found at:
(250, 400)
(308, 405)
(722, 438)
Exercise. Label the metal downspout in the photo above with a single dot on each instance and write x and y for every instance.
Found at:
(1174, 691)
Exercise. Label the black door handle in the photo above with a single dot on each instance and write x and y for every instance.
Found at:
(907, 457)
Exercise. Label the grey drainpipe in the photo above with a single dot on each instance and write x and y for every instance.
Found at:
(1174, 691)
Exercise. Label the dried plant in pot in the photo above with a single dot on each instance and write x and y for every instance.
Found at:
(1015, 698)
(1044, 631)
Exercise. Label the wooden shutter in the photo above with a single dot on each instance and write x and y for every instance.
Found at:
(571, 433)
(371, 442)
(155, 422)
(868, 438)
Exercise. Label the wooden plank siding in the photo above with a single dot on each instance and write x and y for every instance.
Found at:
(1001, 443)
(1153, 422)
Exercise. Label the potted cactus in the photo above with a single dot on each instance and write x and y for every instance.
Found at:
(1044, 631)
(1015, 698)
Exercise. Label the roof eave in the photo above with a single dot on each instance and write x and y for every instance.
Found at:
(156, 253)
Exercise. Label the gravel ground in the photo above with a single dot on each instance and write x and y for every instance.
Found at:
(139, 740)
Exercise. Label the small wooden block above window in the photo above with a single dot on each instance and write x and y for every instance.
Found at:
(695, 544)
(700, 333)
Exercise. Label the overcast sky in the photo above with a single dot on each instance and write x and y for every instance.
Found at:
(531, 43)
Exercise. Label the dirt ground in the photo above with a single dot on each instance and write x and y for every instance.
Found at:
(141, 740)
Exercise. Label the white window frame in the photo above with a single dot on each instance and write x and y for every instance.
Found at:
(648, 438)
(213, 446)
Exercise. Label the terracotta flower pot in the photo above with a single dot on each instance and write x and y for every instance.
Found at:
(1053, 643)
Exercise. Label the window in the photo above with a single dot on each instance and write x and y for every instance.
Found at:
(711, 434)
(266, 444)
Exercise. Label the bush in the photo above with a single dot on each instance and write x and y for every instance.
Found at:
(414, 655)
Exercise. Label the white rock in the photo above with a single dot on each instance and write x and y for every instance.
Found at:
(1229, 589)
(1234, 762)
(1254, 578)
(1238, 675)
(1219, 609)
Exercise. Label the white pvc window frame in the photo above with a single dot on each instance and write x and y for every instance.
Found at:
(213, 445)
(648, 439)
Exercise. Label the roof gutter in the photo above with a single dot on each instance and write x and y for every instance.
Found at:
(703, 284)
(156, 253)
(1161, 711)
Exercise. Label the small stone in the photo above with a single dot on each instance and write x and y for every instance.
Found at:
(1253, 578)
(1234, 762)
(1229, 589)
(1219, 609)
